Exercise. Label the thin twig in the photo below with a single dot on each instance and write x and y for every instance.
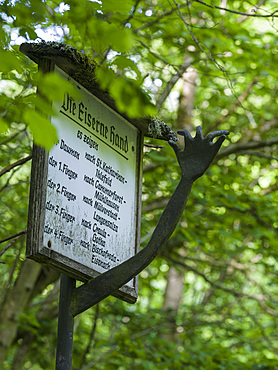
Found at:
(238, 102)
(271, 15)
(257, 297)
(256, 321)
(207, 53)
(187, 62)
(8, 180)
(243, 146)
(156, 20)
(10, 244)
(133, 12)
(92, 335)
(13, 237)
(260, 154)
(154, 146)
(156, 204)
(115, 346)
(209, 56)
(10, 138)
(253, 9)
(13, 165)
(155, 54)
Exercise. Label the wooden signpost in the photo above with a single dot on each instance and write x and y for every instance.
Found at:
(84, 209)
(85, 194)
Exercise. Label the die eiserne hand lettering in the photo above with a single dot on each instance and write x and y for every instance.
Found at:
(80, 112)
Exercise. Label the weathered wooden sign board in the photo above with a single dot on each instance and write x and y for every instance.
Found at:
(92, 184)
(89, 191)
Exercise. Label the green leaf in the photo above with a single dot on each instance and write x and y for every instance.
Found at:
(104, 76)
(120, 39)
(115, 6)
(28, 32)
(3, 125)
(128, 97)
(41, 104)
(9, 61)
(125, 63)
(43, 131)
(53, 86)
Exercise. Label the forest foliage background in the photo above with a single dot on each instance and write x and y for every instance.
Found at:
(210, 300)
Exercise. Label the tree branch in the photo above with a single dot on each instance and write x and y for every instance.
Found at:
(272, 15)
(91, 338)
(11, 243)
(252, 10)
(13, 237)
(155, 54)
(257, 297)
(233, 263)
(243, 146)
(150, 167)
(183, 67)
(155, 204)
(133, 12)
(268, 125)
(156, 20)
(260, 154)
(270, 189)
(208, 54)
(257, 322)
(238, 102)
(13, 165)
(10, 138)
(7, 182)
(268, 309)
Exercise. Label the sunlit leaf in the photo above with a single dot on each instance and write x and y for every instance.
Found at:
(9, 61)
(43, 131)
(3, 125)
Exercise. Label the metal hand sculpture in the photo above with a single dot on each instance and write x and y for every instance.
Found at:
(194, 160)
(198, 153)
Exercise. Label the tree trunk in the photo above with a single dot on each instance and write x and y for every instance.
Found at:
(15, 304)
(186, 101)
(175, 279)
(172, 297)
(49, 312)
(32, 279)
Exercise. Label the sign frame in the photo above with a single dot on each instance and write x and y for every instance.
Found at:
(38, 193)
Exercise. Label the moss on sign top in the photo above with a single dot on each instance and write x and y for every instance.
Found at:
(82, 68)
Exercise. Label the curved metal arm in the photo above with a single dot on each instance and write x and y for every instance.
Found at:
(196, 157)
